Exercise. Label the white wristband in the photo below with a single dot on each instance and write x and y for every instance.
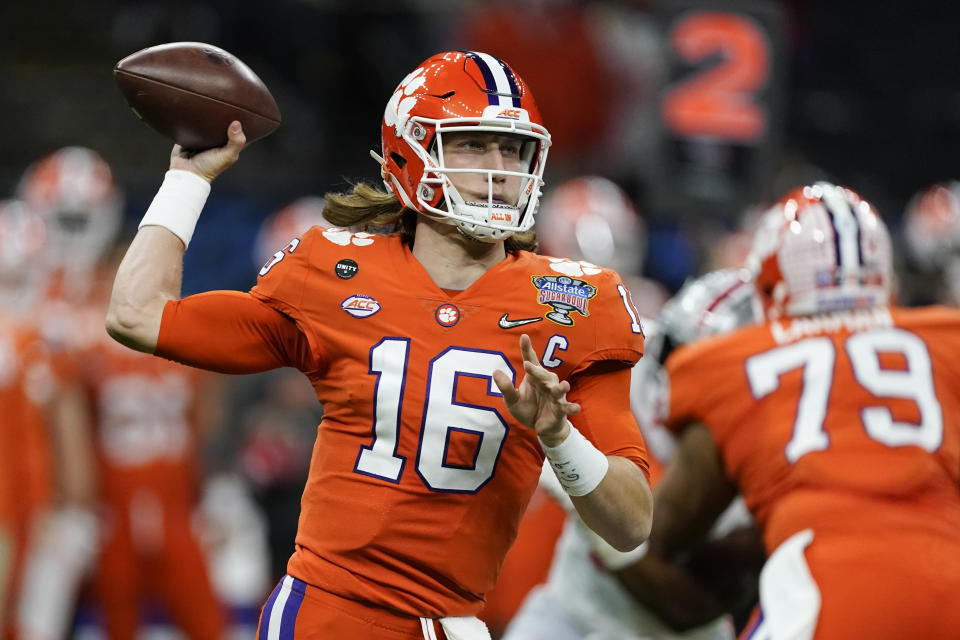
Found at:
(578, 465)
(178, 203)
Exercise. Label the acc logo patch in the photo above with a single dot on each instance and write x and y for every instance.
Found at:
(565, 295)
(447, 315)
(360, 306)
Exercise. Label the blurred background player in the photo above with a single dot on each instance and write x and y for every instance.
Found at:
(125, 444)
(584, 598)
(27, 395)
(150, 418)
(591, 218)
(931, 226)
(837, 421)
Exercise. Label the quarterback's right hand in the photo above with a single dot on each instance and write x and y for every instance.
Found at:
(210, 163)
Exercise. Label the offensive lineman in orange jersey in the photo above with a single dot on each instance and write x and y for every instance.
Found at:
(839, 421)
(126, 409)
(148, 422)
(435, 427)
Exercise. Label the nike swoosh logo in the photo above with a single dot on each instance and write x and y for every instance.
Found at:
(510, 324)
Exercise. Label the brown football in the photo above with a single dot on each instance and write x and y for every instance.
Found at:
(191, 92)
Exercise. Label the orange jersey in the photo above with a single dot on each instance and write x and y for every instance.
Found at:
(419, 474)
(145, 427)
(27, 384)
(26, 484)
(146, 441)
(848, 423)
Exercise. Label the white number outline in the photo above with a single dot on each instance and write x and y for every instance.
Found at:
(631, 309)
(863, 350)
(278, 256)
(817, 356)
(380, 459)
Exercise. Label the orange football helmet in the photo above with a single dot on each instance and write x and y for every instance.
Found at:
(591, 218)
(460, 91)
(821, 248)
(73, 189)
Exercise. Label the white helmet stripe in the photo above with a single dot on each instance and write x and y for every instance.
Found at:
(846, 230)
(504, 90)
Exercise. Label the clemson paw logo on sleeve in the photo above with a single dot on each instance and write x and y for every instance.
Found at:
(344, 237)
(574, 268)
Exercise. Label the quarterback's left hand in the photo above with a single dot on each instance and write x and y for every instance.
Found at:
(540, 401)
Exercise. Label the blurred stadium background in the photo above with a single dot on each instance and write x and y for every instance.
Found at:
(864, 93)
(861, 93)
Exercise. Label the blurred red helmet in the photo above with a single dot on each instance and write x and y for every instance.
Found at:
(821, 248)
(592, 219)
(932, 225)
(461, 91)
(287, 223)
(74, 191)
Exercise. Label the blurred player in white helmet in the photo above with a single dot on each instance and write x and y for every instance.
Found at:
(289, 221)
(584, 598)
(73, 189)
(590, 218)
(23, 238)
(932, 232)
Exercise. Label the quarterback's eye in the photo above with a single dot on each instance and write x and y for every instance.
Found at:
(511, 148)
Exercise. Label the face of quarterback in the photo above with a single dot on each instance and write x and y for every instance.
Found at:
(484, 151)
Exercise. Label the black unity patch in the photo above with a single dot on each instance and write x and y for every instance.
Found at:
(346, 269)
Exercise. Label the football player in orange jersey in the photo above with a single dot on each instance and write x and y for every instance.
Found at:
(26, 393)
(125, 451)
(837, 419)
(149, 417)
(435, 425)
(931, 225)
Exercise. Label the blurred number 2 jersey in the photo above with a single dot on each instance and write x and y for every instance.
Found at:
(420, 474)
(847, 424)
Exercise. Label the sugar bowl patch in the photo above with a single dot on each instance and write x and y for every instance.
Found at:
(565, 295)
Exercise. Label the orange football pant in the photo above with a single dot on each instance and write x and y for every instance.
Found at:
(298, 611)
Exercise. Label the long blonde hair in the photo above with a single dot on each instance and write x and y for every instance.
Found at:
(368, 208)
